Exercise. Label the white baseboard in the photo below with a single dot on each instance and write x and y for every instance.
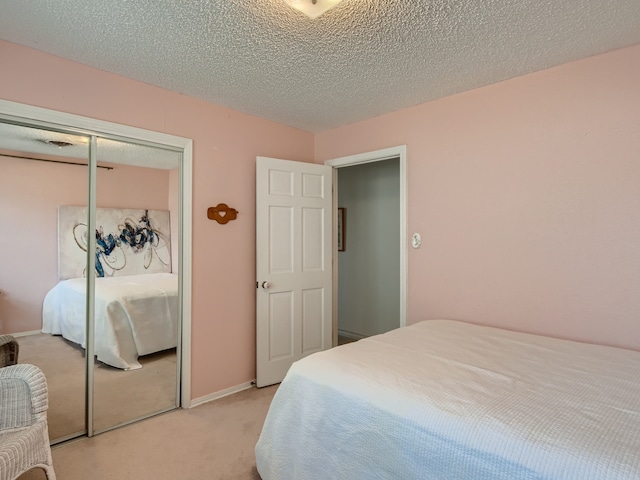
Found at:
(26, 334)
(222, 393)
(355, 336)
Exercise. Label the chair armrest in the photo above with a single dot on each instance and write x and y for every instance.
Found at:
(23, 396)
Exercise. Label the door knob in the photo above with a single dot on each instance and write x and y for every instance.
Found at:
(266, 285)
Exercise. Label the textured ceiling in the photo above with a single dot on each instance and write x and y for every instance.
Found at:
(361, 59)
(38, 144)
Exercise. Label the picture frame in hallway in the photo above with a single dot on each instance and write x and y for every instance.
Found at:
(342, 226)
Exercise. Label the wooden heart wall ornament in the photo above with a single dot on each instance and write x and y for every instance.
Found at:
(222, 213)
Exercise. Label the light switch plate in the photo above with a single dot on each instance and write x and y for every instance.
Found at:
(416, 240)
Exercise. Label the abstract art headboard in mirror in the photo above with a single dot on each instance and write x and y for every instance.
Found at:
(129, 242)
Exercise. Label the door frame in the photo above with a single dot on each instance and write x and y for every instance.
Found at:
(358, 159)
(32, 115)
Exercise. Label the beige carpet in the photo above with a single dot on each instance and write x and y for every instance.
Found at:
(120, 396)
(214, 441)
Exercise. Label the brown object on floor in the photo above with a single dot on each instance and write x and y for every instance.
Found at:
(9, 349)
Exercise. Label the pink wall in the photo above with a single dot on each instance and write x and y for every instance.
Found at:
(526, 193)
(527, 196)
(226, 143)
(30, 193)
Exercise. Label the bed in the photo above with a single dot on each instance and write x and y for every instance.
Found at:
(134, 315)
(445, 399)
(136, 295)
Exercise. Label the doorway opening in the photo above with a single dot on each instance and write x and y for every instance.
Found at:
(370, 257)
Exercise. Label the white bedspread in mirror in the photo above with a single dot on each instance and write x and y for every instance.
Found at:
(450, 400)
(134, 315)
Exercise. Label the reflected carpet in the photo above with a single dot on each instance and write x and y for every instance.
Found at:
(120, 396)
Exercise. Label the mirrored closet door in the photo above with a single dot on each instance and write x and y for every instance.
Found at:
(90, 278)
(136, 336)
(42, 169)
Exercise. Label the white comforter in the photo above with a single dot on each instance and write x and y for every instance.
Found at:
(448, 400)
(134, 315)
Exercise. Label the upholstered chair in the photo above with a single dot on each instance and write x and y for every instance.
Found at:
(24, 436)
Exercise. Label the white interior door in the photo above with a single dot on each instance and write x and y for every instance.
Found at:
(293, 264)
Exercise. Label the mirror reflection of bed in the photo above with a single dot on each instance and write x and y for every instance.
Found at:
(146, 382)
